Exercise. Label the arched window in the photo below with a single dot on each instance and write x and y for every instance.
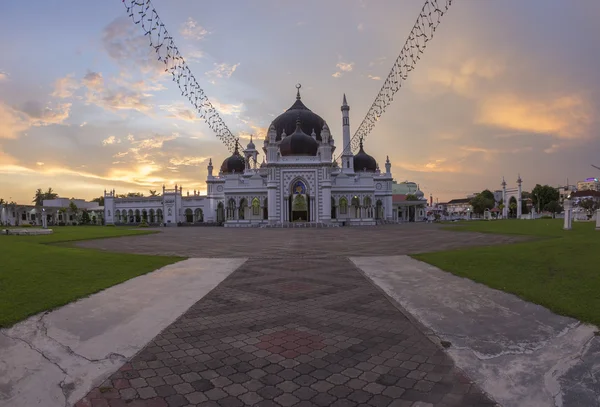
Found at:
(152, 218)
(368, 208)
(231, 209)
(198, 215)
(343, 206)
(138, 218)
(117, 216)
(159, 215)
(255, 207)
(356, 206)
(242, 209)
(189, 216)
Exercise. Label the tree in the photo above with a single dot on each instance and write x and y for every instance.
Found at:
(38, 198)
(411, 197)
(134, 195)
(73, 208)
(590, 206)
(100, 200)
(484, 200)
(542, 195)
(153, 192)
(50, 194)
(85, 217)
(512, 206)
(553, 207)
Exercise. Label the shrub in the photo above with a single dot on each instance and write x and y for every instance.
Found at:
(26, 225)
(111, 225)
(545, 217)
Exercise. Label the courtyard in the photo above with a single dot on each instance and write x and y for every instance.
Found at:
(299, 317)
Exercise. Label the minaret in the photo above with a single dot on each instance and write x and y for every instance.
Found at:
(210, 168)
(388, 166)
(347, 157)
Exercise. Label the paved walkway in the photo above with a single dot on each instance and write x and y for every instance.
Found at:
(389, 240)
(291, 331)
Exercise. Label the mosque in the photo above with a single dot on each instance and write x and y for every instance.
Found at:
(297, 181)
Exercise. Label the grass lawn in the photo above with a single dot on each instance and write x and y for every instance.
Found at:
(36, 275)
(559, 269)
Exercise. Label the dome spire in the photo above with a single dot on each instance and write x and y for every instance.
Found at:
(298, 86)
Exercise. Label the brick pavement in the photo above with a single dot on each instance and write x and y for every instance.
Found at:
(292, 331)
(388, 240)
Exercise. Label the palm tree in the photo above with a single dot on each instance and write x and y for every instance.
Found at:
(153, 192)
(50, 194)
(38, 199)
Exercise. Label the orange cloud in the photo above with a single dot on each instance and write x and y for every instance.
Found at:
(13, 122)
(567, 117)
(65, 87)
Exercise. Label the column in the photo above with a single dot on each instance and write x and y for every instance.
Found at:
(272, 201)
(568, 214)
(326, 197)
(598, 219)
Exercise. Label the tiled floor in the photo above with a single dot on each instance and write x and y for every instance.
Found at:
(290, 331)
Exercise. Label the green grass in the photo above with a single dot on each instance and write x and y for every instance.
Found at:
(38, 274)
(558, 269)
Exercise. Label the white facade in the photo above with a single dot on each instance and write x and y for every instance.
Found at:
(298, 181)
(57, 212)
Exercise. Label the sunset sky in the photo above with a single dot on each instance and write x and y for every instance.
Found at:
(505, 87)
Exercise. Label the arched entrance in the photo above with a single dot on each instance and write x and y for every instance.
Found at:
(333, 211)
(220, 212)
(189, 216)
(299, 202)
(378, 209)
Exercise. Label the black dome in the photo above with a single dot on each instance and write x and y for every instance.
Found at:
(298, 143)
(309, 120)
(235, 163)
(363, 161)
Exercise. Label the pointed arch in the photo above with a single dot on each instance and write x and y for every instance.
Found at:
(255, 206)
(242, 208)
(343, 206)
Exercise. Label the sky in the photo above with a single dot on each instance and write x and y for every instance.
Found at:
(504, 88)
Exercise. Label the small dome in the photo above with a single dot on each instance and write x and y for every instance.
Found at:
(419, 194)
(363, 161)
(251, 145)
(287, 120)
(298, 143)
(235, 163)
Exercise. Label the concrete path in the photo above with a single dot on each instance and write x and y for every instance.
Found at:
(520, 353)
(53, 359)
(290, 332)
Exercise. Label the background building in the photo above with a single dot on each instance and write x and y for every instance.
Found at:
(590, 184)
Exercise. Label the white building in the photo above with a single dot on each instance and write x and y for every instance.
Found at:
(297, 181)
(57, 211)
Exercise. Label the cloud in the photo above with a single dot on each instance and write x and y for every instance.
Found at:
(191, 30)
(121, 94)
(228, 108)
(124, 43)
(39, 163)
(65, 87)
(178, 111)
(3, 76)
(360, 27)
(156, 141)
(188, 161)
(111, 140)
(434, 165)
(375, 78)
(12, 122)
(221, 71)
(342, 68)
(567, 117)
